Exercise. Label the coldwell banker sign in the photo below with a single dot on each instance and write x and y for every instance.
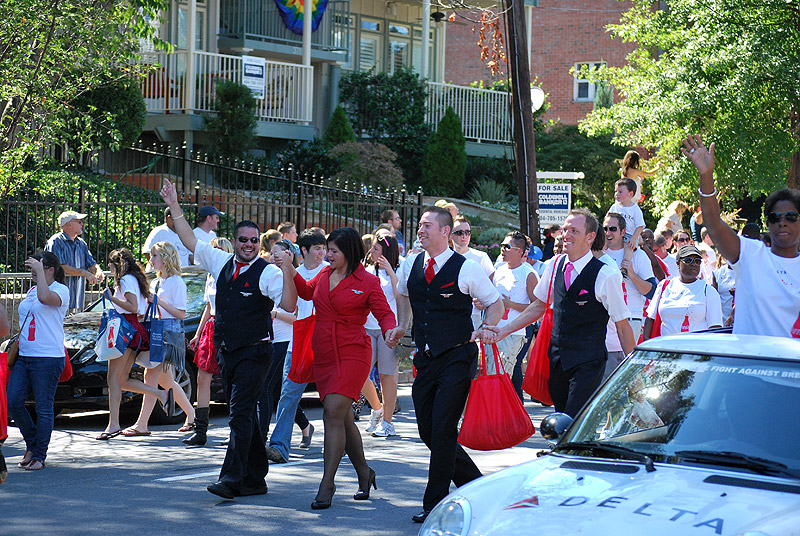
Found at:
(253, 75)
(555, 201)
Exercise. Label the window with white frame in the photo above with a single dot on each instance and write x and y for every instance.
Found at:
(369, 51)
(583, 88)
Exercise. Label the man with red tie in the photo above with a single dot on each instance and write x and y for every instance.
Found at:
(439, 285)
(585, 294)
(247, 289)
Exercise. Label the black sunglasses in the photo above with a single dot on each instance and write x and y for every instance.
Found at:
(690, 261)
(462, 232)
(610, 228)
(245, 240)
(508, 247)
(775, 217)
(687, 239)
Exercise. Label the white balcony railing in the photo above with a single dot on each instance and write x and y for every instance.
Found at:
(484, 113)
(166, 89)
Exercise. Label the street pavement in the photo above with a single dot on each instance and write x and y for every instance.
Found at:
(156, 485)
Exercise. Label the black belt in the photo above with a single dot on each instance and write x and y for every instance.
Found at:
(429, 354)
(257, 343)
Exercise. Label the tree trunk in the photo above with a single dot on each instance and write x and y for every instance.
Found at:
(794, 171)
(522, 120)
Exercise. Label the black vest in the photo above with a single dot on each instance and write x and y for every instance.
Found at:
(442, 313)
(579, 320)
(243, 313)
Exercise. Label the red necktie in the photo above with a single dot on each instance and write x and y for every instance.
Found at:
(568, 275)
(429, 273)
(239, 266)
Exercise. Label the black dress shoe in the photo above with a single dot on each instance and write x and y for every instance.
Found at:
(321, 505)
(246, 491)
(221, 489)
(420, 517)
(363, 495)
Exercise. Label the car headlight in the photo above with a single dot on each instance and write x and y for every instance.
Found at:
(449, 518)
(85, 355)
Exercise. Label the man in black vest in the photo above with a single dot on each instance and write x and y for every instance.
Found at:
(440, 285)
(585, 293)
(247, 289)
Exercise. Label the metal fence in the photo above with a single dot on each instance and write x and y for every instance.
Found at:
(123, 214)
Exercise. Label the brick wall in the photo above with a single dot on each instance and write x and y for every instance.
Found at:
(564, 32)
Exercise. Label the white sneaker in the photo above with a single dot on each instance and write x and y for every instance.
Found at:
(374, 418)
(386, 429)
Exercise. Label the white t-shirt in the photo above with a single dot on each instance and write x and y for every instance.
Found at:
(767, 292)
(484, 262)
(162, 233)
(672, 265)
(204, 236)
(42, 334)
(634, 217)
(696, 304)
(280, 329)
(726, 282)
(128, 283)
(512, 285)
(172, 290)
(612, 339)
(388, 291)
(642, 267)
(210, 294)
(306, 307)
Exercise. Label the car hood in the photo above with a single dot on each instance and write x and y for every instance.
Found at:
(80, 329)
(569, 495)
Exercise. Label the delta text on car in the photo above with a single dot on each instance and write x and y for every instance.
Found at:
(694, 434)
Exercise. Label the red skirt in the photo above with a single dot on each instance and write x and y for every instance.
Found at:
(205, 357)
(140, 341)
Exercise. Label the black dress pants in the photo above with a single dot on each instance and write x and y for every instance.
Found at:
(570, 389)
(440, 393)
(243, 372)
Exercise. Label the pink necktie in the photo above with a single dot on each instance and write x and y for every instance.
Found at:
(568, 275)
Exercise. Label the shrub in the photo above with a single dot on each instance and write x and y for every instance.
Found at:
(367, 162)
(488, 192)
(339, 129)
(493, 235)
(232, 131)
(495, 169)
(311, 158)
(445, 157)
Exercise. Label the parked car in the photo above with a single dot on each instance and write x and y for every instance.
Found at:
(87, 389)
(694, 434)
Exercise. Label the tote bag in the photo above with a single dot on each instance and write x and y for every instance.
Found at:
(3, 409)
(155, 327)
(656, 331)
(537, 375)
(114, 336)
(495, 417)
(302, 369)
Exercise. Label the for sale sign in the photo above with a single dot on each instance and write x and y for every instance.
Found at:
(555, 201)
(253, 75)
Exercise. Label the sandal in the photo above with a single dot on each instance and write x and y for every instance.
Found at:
(26, 459)
(35, 465)
(169, 405)
(188, 427)
(133, 432)
(105, 436)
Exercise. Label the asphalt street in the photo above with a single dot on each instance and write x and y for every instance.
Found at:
(156, 485)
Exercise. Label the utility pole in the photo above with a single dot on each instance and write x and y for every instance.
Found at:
(522, 119)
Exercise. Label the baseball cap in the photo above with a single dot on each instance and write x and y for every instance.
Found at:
(535, 253)
(208, 210)
(69, 215)
(687, 251)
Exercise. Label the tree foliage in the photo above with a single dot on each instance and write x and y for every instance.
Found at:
(339, 129)
(445, 159)
(366, 162)
(52, 52)
(726, 69)
(232, 131)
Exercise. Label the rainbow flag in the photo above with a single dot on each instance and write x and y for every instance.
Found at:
(293, 11)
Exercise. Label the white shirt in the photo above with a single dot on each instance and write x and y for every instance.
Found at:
(213, 260)
(42, 332)
(607, 286)
(129, 284)
(172, 290)
(204, 236)
(512, 285)
(612, 338)
(726, 282)
(634, 217)
(472, 280)
(482, 259)
(697, 304)
(280, 329)
(767, 292)
(388, 291)
(672, 265)
(641, 267)
(162, 233)
(305, 308)
(210, 294)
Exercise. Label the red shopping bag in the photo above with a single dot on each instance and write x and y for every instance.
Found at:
(3, 408)
(495, 418)
(302, 370)
(537, 375)
(66, 374)
(656, 331)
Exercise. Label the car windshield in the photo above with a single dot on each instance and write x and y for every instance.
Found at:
(676, 406)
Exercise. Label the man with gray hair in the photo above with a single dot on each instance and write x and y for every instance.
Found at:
(73, 252)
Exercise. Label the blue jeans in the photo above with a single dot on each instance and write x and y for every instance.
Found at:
(39, 375)
(291, 393)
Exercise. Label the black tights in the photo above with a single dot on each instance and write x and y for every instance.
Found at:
(341, 435)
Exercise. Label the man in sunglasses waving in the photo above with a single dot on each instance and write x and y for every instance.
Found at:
(767, 279)
(247, 289)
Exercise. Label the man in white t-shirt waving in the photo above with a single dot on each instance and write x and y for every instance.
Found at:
(767, 279)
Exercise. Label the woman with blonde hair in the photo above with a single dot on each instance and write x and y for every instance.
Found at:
(130, 300)
(168, 291)
(671, 219)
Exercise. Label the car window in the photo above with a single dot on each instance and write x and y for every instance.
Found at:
(661, 403)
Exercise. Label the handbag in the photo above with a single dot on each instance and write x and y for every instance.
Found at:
(114, 336)
(66, 374)
(12, 345)
(302, 369)
(495, 418)
(155, 327)
(656, 331)
(537, 375)
(3, 402)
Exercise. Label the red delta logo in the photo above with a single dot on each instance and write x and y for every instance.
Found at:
(246, 284)
(530, 502)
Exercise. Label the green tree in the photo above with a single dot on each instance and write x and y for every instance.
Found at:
(367, 162)
(339, 129)
(445, 159)
(726, 69)
(52, 52)
(232, 131)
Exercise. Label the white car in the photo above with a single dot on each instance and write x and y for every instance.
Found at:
(695, 434)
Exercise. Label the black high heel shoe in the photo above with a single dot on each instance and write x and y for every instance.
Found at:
(362, 495)
(322, 505)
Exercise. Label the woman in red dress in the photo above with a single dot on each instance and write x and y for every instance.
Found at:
(344, 294)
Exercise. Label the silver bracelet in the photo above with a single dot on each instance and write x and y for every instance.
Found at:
(712, 194)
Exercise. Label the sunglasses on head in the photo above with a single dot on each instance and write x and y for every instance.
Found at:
(245, 240)
(690, 261)
(775, 217)
(462, 232)
(610, 228)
